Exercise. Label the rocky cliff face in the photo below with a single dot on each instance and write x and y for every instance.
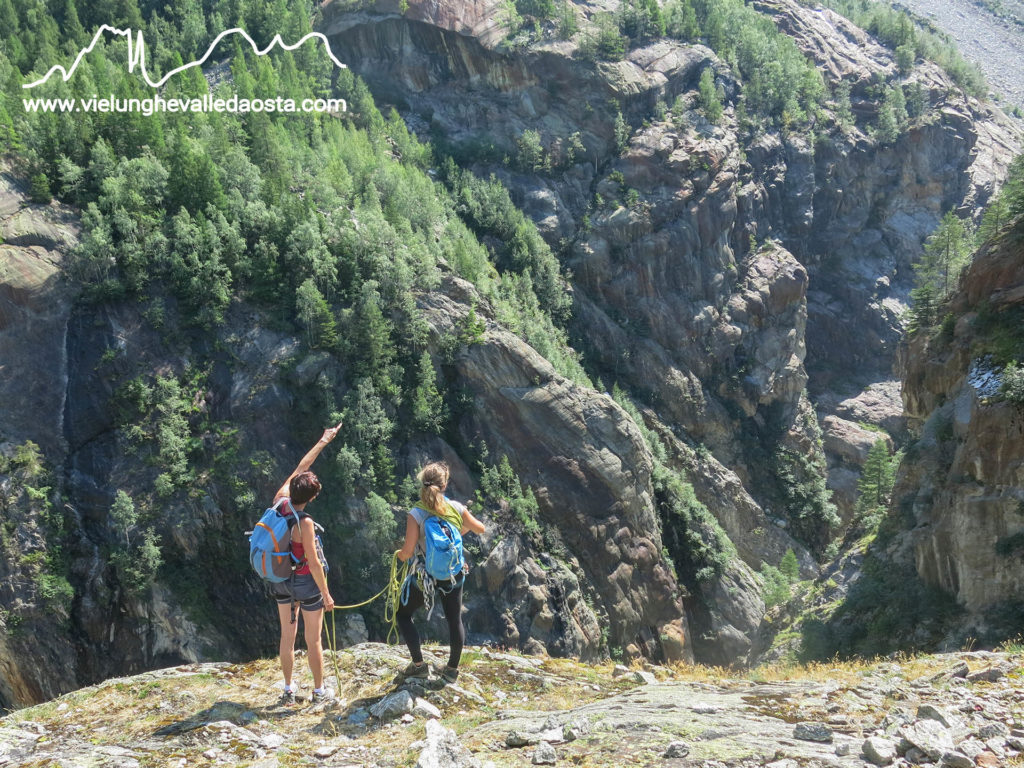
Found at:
(592, 474)
(36, 655)
(742, 284)
(717, 273)
(600, 582)
(960, 491)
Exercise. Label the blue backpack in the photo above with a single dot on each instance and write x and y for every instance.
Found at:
(270, 544)
(443, 549)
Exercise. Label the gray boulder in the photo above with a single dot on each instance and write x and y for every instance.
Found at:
(544, 754)
(443, 749)
(879, 751)
(812, 732)
(928, 736)
(394, 705)
(677, 749)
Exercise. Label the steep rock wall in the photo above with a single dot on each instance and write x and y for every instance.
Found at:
(671, 299)
(960, 490)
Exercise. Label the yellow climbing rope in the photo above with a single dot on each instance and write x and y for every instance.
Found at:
(394, 595)
(394, 589)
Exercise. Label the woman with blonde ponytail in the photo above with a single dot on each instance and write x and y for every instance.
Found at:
(433, 482)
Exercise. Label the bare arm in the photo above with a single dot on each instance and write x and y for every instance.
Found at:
(470, 523)
(308, 459)
(316, 568)
(412, 535)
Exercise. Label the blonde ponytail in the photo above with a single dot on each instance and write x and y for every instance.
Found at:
(433, 480)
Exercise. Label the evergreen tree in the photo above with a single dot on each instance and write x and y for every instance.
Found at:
(790, 566)
(709, 98)
(681, 20)
(946, 253)
(124, 515)
(874, 488)
(72, 31)
(315, 314)
(996, 215)
(622, 132)
(380, 527)
(641, 19)
(888, 128)
(1013, 187)
(427, 403)
(844, 110)
(39, 189)
(372, 349)
(923, 308)
(537, 9)
(194, 182)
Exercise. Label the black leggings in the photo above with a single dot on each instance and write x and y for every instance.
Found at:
(452, 604)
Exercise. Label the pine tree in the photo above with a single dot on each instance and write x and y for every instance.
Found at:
(888, 128)
(372, 352)
(123, 514)
(874, 488)
(39, 189)
(681, 20)
(315, 314)
(709, 98)
(622, 131)
(923, 308)
(427, 403)
(790, 566)
(72, 31)
(946, 253)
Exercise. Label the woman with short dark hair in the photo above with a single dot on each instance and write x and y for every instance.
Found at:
(307, 586)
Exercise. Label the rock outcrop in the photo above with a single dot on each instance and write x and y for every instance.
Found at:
(960, 490)
(36, 655)
(670, 298)
(949, 710)
(590, 470)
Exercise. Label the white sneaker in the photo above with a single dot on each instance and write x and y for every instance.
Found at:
(324, 694)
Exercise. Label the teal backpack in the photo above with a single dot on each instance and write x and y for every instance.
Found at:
(270, 544)
(444, 558)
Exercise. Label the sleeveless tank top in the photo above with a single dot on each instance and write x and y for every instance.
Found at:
(298, 548)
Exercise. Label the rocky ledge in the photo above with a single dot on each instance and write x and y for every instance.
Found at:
(962, 709)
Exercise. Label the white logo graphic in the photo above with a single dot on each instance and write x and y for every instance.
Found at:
(137, 53)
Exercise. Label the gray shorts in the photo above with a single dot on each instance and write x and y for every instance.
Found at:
(301, 589)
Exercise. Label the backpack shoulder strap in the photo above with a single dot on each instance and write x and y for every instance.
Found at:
(285, 508)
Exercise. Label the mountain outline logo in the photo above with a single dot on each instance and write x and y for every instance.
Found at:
(137, 53)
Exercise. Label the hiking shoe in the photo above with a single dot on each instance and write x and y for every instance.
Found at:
(417, 671)
(319, 696)
(287, 699)
(449, 674)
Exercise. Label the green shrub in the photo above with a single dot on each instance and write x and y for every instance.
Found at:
(789, 566)
(776, 588)
(499, 482)
(710, 100)
(1013, 383)
(699, 547)
(538, 9)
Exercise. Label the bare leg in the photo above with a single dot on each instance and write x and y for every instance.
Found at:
(287, 650)
(313, 622)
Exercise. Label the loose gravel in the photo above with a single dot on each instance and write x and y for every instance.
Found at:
(994, 44)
